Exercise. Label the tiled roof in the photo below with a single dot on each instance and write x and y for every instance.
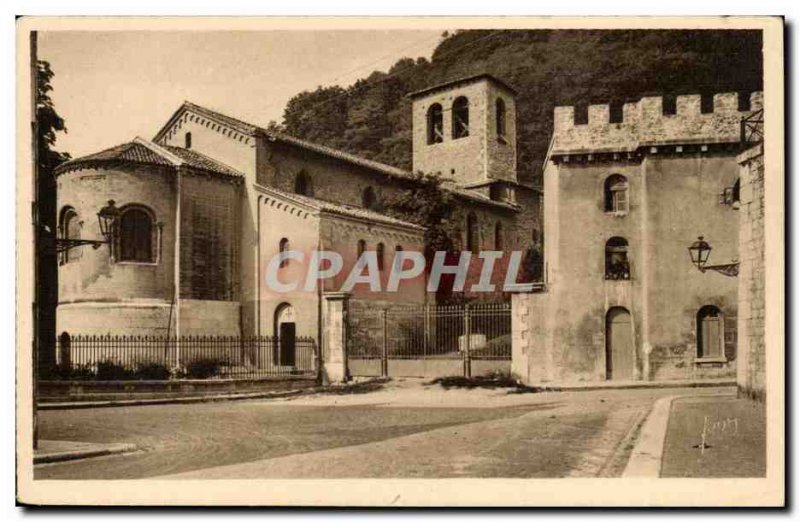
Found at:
(466, 79)
(141, 152)
(253, 130)
(127, 152)
(201, 161)
(339, 208)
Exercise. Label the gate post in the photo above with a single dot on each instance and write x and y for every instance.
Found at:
(467, 342)
(385, 346)
(334, 337)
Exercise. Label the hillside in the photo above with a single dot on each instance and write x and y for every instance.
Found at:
(372, 117)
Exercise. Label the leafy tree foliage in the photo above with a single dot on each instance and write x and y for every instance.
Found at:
(372, 117)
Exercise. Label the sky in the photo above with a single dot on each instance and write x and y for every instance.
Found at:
(113, 86)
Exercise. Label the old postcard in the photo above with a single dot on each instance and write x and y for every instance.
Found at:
(400, 262)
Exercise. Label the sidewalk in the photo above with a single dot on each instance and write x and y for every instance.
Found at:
(61, 450)
(731, 431)
(716, 435)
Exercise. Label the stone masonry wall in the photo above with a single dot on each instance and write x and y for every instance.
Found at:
(752, 347)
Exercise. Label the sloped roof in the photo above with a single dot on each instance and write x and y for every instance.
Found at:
(457, 81)
(141, 152)
(253, 130)
(341, 209)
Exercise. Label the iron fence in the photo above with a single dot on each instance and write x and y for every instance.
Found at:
(113, 357)
(476, 331)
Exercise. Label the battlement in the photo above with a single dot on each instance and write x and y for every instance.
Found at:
(644, 123)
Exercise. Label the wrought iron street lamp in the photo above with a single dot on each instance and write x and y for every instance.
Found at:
(107, 217)
(699, 252)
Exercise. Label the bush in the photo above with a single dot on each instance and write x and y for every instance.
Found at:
(203, 368)
(109, 370)
(152, 372)
(82, 372)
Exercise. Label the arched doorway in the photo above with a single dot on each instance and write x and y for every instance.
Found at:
(285, 329)
(619, 345)
(64, 349)
(710, 332)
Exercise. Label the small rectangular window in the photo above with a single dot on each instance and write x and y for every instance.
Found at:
(744, 101)
(615, 113)
(706, 103)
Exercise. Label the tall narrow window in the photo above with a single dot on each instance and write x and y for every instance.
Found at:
(616, 193)
(283, 246)
(615, 112)
(136, 236)
(397, 262)
(302, 184)
(473, 239)
(743, 101)
(368, 199)
(617, 265)
(70, 229)
(381, 250)
(460, 118)
(706, 103)
(435, 124)
(710, 332)
(498, 236)
(361, 247)
(187, 140)
(580, 116)
(500, 117)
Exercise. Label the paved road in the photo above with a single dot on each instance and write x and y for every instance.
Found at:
(407, 430)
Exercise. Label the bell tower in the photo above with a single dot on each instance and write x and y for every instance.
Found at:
(465, 130)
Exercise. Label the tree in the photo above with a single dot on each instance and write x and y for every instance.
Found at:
(48, 124)
(428, 204)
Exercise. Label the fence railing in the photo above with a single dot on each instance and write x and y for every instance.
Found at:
(109, 357)
(477, 331)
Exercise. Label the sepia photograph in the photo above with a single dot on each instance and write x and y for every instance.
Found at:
(403, 252)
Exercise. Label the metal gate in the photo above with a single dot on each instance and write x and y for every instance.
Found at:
(428, 340)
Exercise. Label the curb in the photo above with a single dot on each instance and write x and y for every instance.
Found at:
(165, 400)
(645, 460)
(83, 454)
(655, 385)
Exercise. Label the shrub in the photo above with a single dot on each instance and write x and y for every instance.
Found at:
(152, 372)
(83, 372)
(109, 370)
(203, 368)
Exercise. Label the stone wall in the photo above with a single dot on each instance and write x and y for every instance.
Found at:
(752, 342)
(644, 124)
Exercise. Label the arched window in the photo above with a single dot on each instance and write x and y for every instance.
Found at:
(435, 124)
(368, 199)
(500, 116)
(70, 229)
(710, 332)
(361, 247)
(302, 184)
(498, 236)
(616, 193)
(187, 140)
(460, 118)
(381, 250)
(136, 236)
(617, 265)
(473, 239)
(283, 246)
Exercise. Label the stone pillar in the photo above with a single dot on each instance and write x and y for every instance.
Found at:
(531, 341)
(334, 337)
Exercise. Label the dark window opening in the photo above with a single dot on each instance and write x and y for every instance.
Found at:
(361, 247)
(381, 250)
(187, 140)
(70, 229)
(496, 192)
(368, 199)
(283, 246)
(302, 184)
(435, 124)
(460, 118)
(669, 105)
(500, 117)
(617, 264)
(498, 236)
(473, 239)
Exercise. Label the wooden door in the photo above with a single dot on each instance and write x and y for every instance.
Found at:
(619, 345)
(711, 336)
(287, 344)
